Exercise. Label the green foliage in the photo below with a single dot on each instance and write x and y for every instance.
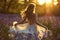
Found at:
(41, 11)
(10, 6)
(3, 32)
(56, 10)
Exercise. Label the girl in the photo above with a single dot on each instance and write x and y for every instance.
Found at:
(31, 17)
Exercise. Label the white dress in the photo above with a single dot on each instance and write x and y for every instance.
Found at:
(26, 28)
(30, 29)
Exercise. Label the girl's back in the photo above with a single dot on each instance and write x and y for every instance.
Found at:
(31, 18)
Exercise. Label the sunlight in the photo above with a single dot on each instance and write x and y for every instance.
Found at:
(41, 31)
(22, 26)
(48, 1)
(41, 2)
(14, 22)
(55, 2)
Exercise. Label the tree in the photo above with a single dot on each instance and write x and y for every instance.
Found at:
(13, 5)
(8, 5)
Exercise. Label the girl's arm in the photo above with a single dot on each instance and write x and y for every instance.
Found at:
(41, 25)
(21, 21)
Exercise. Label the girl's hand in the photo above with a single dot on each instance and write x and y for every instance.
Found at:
(16, 24)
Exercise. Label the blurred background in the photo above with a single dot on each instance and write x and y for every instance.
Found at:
(45, 7)
(48, 13)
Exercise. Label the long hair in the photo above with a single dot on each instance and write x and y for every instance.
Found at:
(30, 8)
(29, 13)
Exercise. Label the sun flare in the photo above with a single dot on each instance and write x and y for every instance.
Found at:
(48, 1)
(41, 2)
(55, 2)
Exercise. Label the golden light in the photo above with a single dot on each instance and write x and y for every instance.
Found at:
(14, 22)
(48, 1)
(40, 29)
(55, 2)
(41, 2)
